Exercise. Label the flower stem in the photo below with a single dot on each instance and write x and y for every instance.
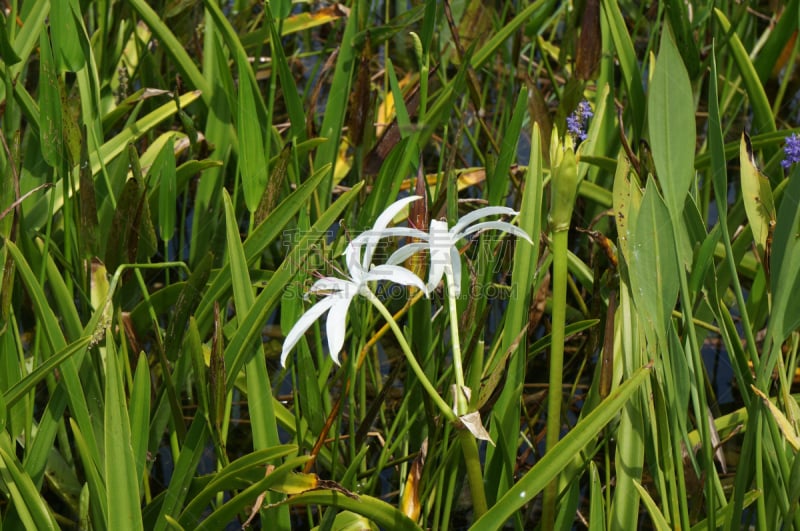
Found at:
(554, 397)
(469, 446)
(458, 368)
(412, 361)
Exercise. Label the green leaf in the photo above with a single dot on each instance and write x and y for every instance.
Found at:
(297, 116)
(250, 325)
(189, 297)
(671, 123)
(785, 282)
(66, 36)
(51, 132)
(164, 167)
(629, 64)
(140, 416)
(653, 264)
(659, 520)
(500, 460)
(31, 507)
(764, 121)
(562, 454)
(756, 196)
(7, 53)
(380, 512)
(121, 474)
(252, 159)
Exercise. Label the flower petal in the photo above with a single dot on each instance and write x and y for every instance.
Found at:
(376, 233)
(353, 258)
(405, 252)
(330, 284)
(400, 232)
(392, 210)
(497, 225)
(475, 215)
(396, 274)
(439, 260)
(335, 326)
(303, 324)
(455, 270)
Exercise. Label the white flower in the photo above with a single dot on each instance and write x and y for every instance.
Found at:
(341, 292)
(441, 243)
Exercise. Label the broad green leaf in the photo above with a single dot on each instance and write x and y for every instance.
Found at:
(66, 37)
(549, 466)
(51, 133)
(597, 516)
(252, 159)
(756, 196)
(140, 416)
(120, 471)
(164, 167)
(671, 123)
(653, 264)
(7, 53)
(627, 198)
(785, 281)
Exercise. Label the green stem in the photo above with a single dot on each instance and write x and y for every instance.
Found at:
(458, 368)
(554, 398)
(469, 446)
(412, 361)
(472, 460)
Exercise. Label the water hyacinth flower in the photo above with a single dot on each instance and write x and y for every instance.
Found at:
(340, 292)
(792, 151)
(576, 122)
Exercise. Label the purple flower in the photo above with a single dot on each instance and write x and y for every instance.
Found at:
(792, 150)
(576, 122)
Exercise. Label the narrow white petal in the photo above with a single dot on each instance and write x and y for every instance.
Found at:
(352, 256)
(455, 269)
(392, 210)
(497, 225)
(405, 252)
(467, 219)
(329, 284)
(440, 238)
(303, 324)
(438, 262)
(396, 274)
(400, 232)
(335, 326)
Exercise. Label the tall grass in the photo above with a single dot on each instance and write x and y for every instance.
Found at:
(175, 176)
